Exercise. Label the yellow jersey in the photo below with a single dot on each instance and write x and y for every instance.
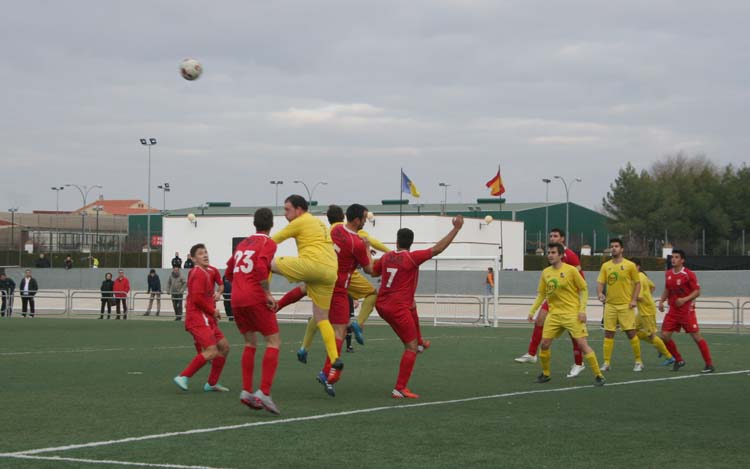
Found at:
(646, 305)
(564, 289)
(312, 237)
(620, 280)
(374, 242)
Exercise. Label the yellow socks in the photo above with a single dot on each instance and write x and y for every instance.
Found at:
(635, 344)
(329, 339)
(368, 304)
(593, 363)
(659, 344)
(309, 334)
(609, 347)
(545, 357)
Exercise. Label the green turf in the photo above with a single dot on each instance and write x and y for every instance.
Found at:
(88, 380)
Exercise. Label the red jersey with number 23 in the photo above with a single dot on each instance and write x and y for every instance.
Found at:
(351, 252)
(249, 265)
(400, 271)
(680, 285)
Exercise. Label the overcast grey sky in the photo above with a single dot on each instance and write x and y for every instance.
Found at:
(348, 92)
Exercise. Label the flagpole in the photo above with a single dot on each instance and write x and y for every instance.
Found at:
(400, 197)
(500, 203)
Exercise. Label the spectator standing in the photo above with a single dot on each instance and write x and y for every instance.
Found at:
(176, 289)
(108, 286)
(28, 288)
(188, 263)
(94, 262)
(122, 288)
(176, 261)
(228, 298)
(7, 287)
(42, 262)
(489, 282)
(68, 263)
(154, 290)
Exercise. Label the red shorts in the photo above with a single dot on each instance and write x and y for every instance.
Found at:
(401, 321)
(206, 336)
(339, 312)
(255, 318)
(673, 322)
(545, 306)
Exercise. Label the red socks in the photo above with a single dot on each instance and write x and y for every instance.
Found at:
(577, 355)
(536, 339)
(415, 317)
(292, 296)
(194, 366)
(705, 352)
(407, 366)
(248, 364)
(270, 363)
(327, 366)
(672, 347)
(217, 364)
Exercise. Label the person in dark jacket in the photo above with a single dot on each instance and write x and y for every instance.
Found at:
(228, 298)
(176, 261)
(68, 264)
(42, 262)
(108, 298)
(28, 288)
(7, 287)
(154, 290)
(189, 263)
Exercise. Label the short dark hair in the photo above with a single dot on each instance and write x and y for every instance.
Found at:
(560, 248)
(404, 238)
(297, 201)
(195, 248)
(636, 261)
(558, 231)
(263, 219)
(679, 252)
(616, 240)
(355, 211)
(335, 214)
(153, 271)
(108, 273)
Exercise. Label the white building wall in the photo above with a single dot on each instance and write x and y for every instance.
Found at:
(216, 232)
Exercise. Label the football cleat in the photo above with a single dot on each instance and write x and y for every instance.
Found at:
(357, 329)
(423, 346)
(677, 365)
(181, 382)
(599, 381)
(526, 358)
(638, 367)
(575, 370)
(708, 369)
(215, 388)
(542, 378)
(250, 400)
(302, 355)
(606, 367)
(327, 387)
(266, 402)
(668, 361)
(403, 394)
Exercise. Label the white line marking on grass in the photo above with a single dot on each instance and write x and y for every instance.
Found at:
(103, 461)
(352, 412)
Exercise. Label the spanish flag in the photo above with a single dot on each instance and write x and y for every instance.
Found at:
(408, 187)
(496, 184)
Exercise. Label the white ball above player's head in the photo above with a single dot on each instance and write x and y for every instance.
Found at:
(370, 216)
(190, 69)
(488, 219)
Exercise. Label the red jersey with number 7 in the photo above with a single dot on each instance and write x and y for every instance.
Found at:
(249, 265)
(351, 252)
(400, 271)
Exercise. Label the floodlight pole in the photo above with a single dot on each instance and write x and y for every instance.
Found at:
(149, 143)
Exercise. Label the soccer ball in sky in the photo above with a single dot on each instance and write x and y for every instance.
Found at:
(191, 69)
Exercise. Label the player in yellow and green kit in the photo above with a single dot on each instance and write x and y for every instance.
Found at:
(316, 266)
(646, 320)
(566, 294)
(623, 287)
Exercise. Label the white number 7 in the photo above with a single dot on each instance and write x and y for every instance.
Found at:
(393, 272)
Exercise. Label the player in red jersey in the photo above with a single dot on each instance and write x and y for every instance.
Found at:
(681, 288)
(201, 322)
(255, 309)
(400, 271)
(352, 252)
(556, 235)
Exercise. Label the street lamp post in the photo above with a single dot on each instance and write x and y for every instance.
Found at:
(149, 143)
(546, 206)
(311, 192)
(57, 190)
(84, 190)
(276, 183)
(568, 188)
(445, 195)
(165, 188)
(98, 209)
(12, 227)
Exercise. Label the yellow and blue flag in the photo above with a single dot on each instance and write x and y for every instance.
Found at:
(408, 187)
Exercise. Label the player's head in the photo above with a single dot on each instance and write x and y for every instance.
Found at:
(489, 269)
(263, 220)
(555, 252)
(678, 258)
(615, 247)
(108, 276)
(199, 254)
(335, 214)
(556, 235)
(404, 238)
(294, 206)
(356, 215)
(637, 263)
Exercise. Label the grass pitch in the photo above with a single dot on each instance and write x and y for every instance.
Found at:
(67, 383)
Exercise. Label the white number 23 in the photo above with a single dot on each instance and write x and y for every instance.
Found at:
(243, 257)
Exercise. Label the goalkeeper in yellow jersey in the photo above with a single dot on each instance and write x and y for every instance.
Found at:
(316, 266)
(566, 294)
(645, 321)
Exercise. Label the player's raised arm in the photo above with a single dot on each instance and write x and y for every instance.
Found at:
(440, 246)
(374, 242)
